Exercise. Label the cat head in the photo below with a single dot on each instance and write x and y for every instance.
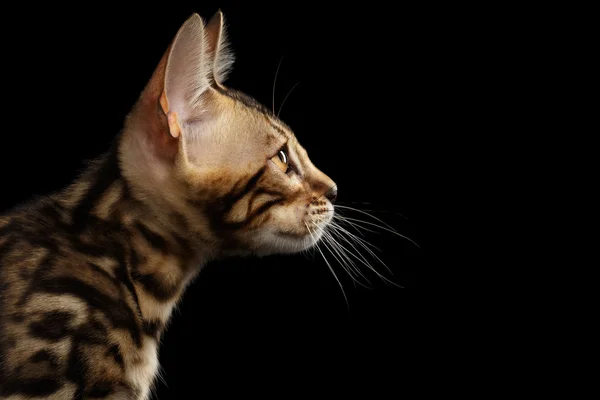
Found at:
(215, 162)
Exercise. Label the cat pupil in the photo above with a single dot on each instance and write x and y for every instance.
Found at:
(283, 157)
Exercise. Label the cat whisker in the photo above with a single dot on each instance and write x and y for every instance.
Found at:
(286, 97)
(372, 208)
(386, 212)
(359, 221)
(347, 253)
(359, 229)
(357, 271)
(363, 260)
(359, 241)
(343, 259)
(275, 83)
(328, 265)
(366, 213)
(326, 242)
(351, 269)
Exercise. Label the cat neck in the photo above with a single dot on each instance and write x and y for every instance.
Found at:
(160, 257)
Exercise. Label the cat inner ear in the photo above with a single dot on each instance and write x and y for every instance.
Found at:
(218, 48)
(188, 75)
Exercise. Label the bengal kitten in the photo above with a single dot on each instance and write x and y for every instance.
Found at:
(89, 275)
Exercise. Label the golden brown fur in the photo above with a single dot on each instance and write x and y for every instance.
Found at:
(89, 276)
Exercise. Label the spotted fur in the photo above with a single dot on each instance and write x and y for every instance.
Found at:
(89, 275)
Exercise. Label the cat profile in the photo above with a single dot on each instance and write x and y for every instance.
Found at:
(89, 275)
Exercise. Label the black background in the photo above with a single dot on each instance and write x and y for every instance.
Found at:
(373, 93)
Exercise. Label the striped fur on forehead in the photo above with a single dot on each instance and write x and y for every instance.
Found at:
(243, 98)
(254, 105)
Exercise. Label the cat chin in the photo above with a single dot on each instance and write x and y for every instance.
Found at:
(270, 243)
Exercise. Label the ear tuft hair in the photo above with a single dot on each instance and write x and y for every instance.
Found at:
(219, 48)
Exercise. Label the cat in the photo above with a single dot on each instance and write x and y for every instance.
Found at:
(89, 275)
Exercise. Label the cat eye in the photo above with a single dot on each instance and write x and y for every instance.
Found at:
(282, 161)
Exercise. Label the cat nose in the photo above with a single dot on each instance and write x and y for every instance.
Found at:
(332, 194)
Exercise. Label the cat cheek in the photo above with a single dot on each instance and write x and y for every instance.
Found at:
(302, 214)
(296, 181)
(291, 217)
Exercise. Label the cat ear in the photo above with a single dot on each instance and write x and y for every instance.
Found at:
(218, 48)
(188, 70)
